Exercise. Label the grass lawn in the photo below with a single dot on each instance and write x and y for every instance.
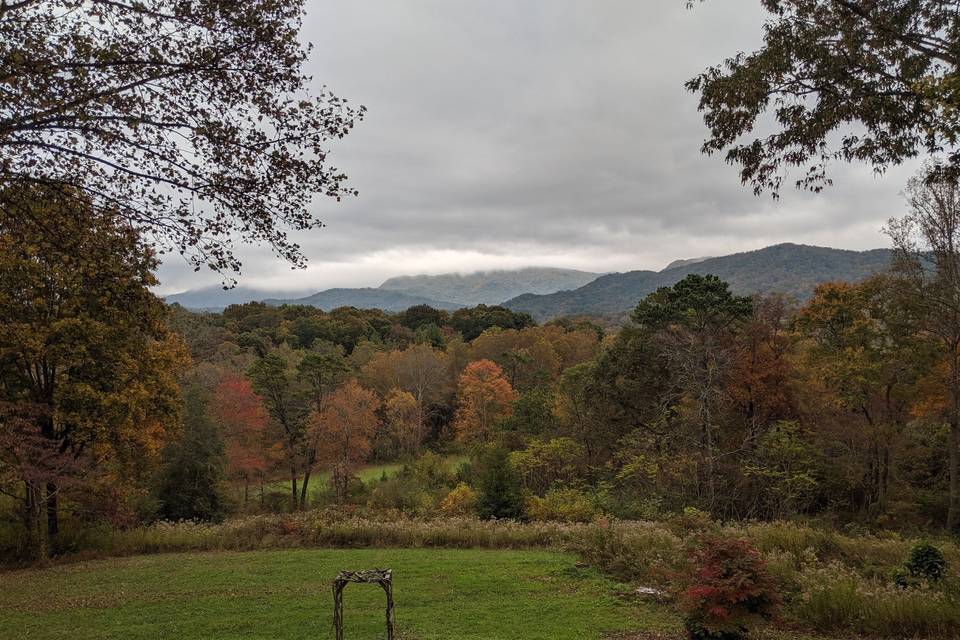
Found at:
(440, 594)
(319, 481)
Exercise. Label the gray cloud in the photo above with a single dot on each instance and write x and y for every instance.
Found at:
(503, 134)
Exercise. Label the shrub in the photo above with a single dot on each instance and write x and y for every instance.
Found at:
(926, 562)
(403, 494)
(564, 505)
(461, 501)
(729, 590)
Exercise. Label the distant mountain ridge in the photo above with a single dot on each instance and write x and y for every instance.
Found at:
(446, 291)
(790, 269)
(490, 287)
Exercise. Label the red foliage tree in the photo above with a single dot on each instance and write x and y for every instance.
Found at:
(243, 422)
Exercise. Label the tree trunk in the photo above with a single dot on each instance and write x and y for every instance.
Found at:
(261, 491)
(953, 444)
(953, 511)
(293, 489)
(246, 491)
(38, 547)
(53, 516)
(303, 490)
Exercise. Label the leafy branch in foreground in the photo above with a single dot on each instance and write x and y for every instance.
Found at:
(872, 82)
(191, 119)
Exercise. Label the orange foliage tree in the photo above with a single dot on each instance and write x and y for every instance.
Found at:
(483, 396)
(344, 429)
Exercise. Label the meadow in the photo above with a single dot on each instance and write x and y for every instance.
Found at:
(285, 594)
(269, 576)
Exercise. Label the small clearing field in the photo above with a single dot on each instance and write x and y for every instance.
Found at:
(285, 594)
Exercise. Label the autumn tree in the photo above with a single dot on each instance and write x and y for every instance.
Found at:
(526, 356)
(483, 397)
(322, 369)
(403, 420)
(85, 356)
(927, 265)
(344, 429)
(201, 136)
(861, 355)
(888, 67)
(420, 369)
(243, 424)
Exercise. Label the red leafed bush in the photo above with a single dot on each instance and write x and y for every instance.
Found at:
(727, 590)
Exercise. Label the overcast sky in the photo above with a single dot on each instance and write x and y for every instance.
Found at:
(503, 134)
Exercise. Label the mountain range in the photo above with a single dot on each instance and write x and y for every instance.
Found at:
(447, 291)
(790, 269)
(547, 293)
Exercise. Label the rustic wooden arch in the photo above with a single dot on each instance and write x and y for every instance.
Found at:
(382, 577)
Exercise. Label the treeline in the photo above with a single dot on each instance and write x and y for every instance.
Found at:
(116, 410)
(741, 407)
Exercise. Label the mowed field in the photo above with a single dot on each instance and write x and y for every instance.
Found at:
(285, 594)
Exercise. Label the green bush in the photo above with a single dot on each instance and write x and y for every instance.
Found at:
(926, 562)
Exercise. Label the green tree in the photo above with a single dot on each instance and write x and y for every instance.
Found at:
(189, 481)
(887, 66)
(692, 323)
(275, 380)
(500, 486)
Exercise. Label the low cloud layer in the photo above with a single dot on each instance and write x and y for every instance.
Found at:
(551, 132)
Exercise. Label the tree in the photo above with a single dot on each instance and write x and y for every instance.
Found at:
(243, 420)
(322, 369)
(691, 323)
(483, 397)
(889, 67)
(274, 379)
(202, 135)
(85, 355)
(927, 262)
(188, 485)
(420, 369)
(500, 488)
(862, 356)
(403, 420)
(344, 428)
(473, 321)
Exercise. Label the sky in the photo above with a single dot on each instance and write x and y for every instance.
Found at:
(504, 134)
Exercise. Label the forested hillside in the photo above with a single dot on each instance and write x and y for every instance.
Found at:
(393, 301)
(791, 269)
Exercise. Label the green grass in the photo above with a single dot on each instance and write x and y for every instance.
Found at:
(320, 480)
(440, 594)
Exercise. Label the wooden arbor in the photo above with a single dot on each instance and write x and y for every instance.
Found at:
(383, 577)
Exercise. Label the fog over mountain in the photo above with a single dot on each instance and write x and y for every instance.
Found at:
(545, 293)
(490, 287)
